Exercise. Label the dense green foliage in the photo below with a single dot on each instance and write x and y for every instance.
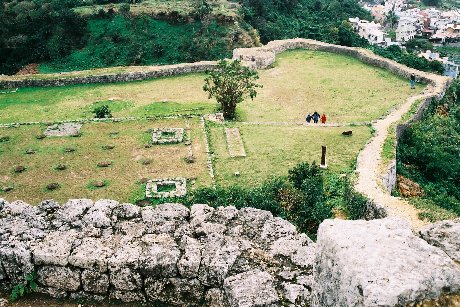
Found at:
(230, 84)
(408, 59)
(429, 151)
(102, 111)
(315, 19)
(29, 285)
(48, 31)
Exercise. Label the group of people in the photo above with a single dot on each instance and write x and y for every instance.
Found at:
(316, 117)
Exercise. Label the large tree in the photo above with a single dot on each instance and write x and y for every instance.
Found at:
(230, 84)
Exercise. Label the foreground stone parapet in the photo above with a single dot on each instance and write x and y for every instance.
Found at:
(169, 254)
(379, 263)
(445, 235)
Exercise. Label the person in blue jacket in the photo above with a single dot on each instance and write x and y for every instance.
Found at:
(316, 117)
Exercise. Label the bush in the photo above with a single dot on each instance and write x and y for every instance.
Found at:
(102, 112)
(355, 203)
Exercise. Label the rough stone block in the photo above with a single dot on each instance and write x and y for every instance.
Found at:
(445, 235)
(174, 291)
(93, 253)
(379, 263)
(61, 278)
(94, 281)
(55, 248)
(253, 288)
(221, 253)
(189, 263)
(160, 256)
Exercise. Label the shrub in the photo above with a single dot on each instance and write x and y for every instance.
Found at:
(355, 203)
(102, 111)
(27, 286)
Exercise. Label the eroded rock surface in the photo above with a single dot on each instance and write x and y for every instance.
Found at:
(445, 235)
(379, 263)
(168, 255)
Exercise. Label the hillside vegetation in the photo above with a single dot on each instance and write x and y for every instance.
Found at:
(429, 151)
(76, 34)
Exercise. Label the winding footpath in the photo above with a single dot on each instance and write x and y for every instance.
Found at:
(368, 166)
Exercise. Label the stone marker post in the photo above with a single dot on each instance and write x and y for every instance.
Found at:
(323, 157)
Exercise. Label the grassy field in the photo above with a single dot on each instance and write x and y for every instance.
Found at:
(301, 81)
(122, 177)
(342, 87)
(272, 150)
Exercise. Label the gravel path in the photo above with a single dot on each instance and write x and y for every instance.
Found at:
(368, 169)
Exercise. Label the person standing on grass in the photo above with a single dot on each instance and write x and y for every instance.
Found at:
(308, 118)
(316, 116)
(412, 81)
(323, 118)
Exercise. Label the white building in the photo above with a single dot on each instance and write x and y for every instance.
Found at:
(450, 68)
(406, 30)
(370, 31)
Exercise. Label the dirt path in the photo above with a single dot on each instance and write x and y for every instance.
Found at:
(368, 169)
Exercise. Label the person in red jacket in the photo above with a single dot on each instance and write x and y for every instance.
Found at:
(323, 118)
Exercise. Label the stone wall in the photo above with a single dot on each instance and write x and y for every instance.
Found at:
(65, 79)
(172, 255)
(169, 254)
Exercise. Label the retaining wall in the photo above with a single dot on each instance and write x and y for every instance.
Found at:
(175, 256)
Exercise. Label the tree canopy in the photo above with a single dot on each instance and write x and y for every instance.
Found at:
(230, 84)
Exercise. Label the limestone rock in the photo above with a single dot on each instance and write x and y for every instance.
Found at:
(94, 281)
(58, 277)
(53, 292)
(221, 254)
(160, 256)
(82, 296)
(445, 235)
(189, 263)
(55, 248)
(92, 253)
(16, 260)
(73, 211)
(99, 215)
(127, 296)
(253, 288)
(379, 263)
(215, 298)
(124, 267)
(174, 291)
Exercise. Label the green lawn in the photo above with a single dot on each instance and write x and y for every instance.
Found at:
(342, 87)
(272, 150)
(122, 176)
(302, 81)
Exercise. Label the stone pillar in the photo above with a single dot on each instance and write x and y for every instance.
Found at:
(323, 157)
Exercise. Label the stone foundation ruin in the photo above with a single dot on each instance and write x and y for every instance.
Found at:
(64, 129)
(152, 188)
(167, 135)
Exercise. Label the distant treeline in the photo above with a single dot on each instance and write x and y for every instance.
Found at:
(50, 32)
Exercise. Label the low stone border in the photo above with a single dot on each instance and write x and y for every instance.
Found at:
(151, 189)
(208, 151)
(159, 137)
